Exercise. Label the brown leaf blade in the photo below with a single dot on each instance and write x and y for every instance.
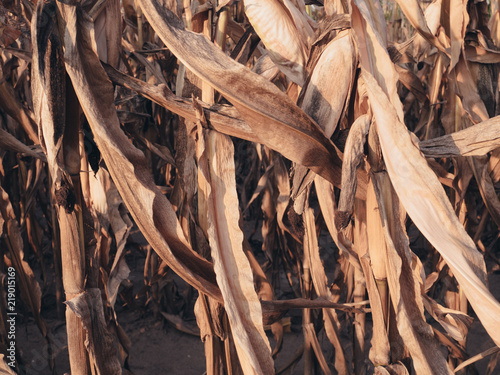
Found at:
(234, 274)
(277, 122)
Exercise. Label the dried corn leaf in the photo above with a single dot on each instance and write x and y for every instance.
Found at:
(404, 288)
(286, 33)
(234, 274)
(353, 157)
(312, 339)
(278, 123)
(456, 323)
(127, 165)
(373, 54)
(477, 357)
(328, 89)
(428, 206)
(12, 106)
(5, 369)
(28, 285)
(394, 369)
(476, 140)
(9, 142)
(459, 19)
(412, 10)
(224, 119)
(326, 199)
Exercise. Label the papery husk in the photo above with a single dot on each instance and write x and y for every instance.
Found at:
(328, 89)
(285, 31)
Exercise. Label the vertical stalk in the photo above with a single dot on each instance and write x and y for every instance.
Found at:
(361, 243)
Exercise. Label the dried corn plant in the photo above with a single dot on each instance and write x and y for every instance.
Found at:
(359, 141)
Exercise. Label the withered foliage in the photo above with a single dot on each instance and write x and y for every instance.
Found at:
(336, 158)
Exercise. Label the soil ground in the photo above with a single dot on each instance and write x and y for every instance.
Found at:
(157, 347)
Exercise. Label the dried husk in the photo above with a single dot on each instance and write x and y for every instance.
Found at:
(328, 89)
(286, 33)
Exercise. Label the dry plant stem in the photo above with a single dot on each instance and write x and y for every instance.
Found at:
(148, 206)
(408, 165)
(10, 104)
(403, 284)
(361, 243)
(84, 172)
(320, 282)
(214, 346)
(220, 34)
(377, 248)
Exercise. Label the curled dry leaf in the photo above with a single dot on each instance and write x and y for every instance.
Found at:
(328, 89)
(476, 140)
(285, 31)
(99, 340)
(412, 10)
(456, 323)
(404, 287)
(9, 142)
(428, 206)
(353, 157)
(326, 199)
(320, 282)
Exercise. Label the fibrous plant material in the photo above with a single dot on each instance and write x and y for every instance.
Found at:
(390, 108)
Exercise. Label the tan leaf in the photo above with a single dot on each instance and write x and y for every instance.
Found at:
(9, 142)
(286, 33)
(320, 282)
(428, 206)
(99, 340)
(476, 140)
(234, 274)
(326, 199)
(404, 288)
(353, 157)
(328, 89)
(456, 323)
(5, 369)
(414, 13)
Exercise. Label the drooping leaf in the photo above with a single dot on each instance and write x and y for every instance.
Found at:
(277, 122)
(428, 206)
(148, 206)
(232, 268)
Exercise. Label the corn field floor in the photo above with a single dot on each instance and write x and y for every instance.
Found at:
(160, 348)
